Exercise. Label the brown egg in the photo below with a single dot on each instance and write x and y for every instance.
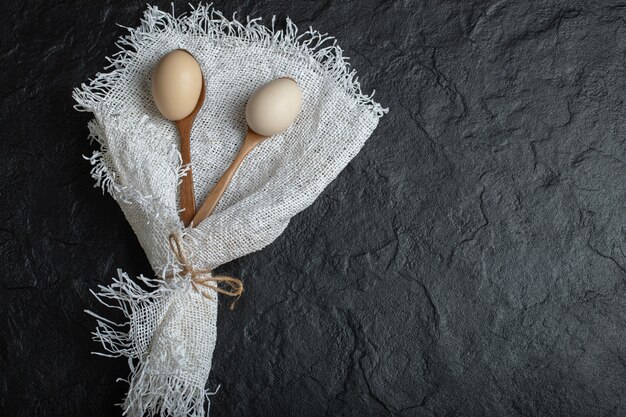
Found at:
(274, 107)
(176, 84)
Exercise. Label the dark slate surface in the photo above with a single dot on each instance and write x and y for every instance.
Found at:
(470, 261)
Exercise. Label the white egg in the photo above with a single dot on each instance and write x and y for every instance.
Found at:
(274, 107)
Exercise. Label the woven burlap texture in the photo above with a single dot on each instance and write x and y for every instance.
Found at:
(170, 333)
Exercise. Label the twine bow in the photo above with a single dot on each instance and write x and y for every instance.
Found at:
(203, 277)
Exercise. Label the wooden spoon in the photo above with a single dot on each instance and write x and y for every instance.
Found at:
(270, 111)
(187, 197)
(178, 92)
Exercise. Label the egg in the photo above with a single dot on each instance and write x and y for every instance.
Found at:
(274, 107)
(176, 84)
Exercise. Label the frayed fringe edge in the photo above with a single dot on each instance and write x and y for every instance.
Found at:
(125, 295)
(155, 394)
(108, 180)
(164, 395)
(206, 21)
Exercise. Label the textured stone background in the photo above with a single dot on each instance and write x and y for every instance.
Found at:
(471, 261)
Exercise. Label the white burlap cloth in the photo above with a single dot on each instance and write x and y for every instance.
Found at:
(170, 333)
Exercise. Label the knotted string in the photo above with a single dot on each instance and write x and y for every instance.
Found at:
(203, 277)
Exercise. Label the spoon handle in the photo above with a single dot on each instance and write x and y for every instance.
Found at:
(252, 139)
(187, 198)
